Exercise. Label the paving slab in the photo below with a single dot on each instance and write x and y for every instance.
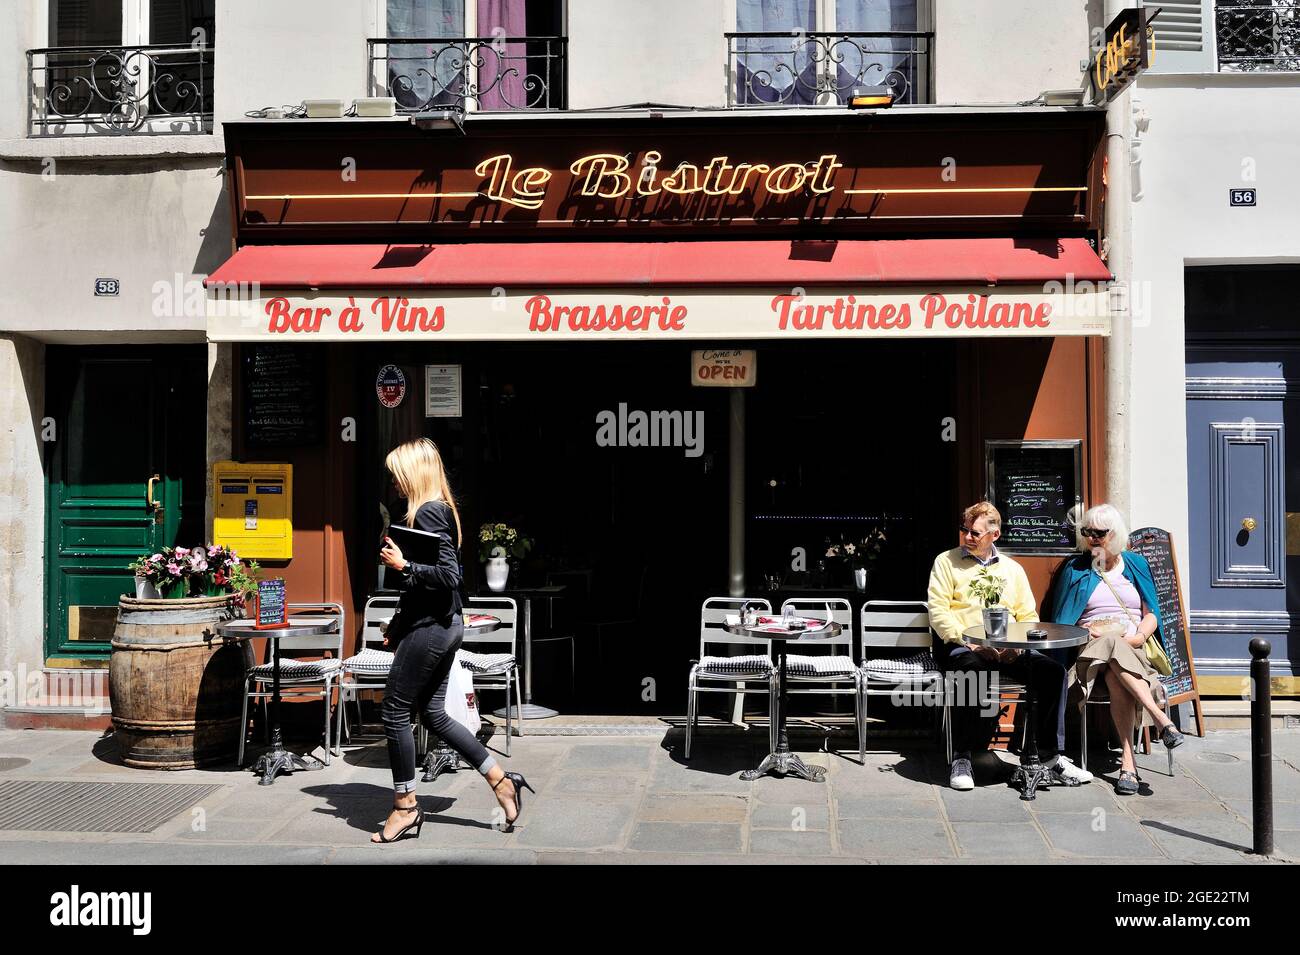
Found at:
(1000, 840)
(686, 837)
(1202, 840)
(895, 839)
(813, 816)
(693, 808)
(585, 822)
(786, 842)
(1097, 835)
(858, 805)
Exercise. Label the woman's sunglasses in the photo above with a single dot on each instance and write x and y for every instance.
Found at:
(1094, 533)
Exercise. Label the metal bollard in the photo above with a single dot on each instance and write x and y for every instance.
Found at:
(1261, 746)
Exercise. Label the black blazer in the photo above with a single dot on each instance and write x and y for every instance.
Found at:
(431, 592)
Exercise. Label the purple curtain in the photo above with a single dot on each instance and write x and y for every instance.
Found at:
(504, 65)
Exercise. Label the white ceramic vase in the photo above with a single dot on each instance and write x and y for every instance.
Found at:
(498, 572)
(145, 590)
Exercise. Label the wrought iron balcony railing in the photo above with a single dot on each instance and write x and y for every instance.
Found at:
(120, 89)
(1258, 35)
(794, 69)
(470, 73)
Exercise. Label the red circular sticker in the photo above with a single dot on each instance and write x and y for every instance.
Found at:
(390, 386)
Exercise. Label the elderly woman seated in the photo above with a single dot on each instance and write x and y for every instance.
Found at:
(1113, 595)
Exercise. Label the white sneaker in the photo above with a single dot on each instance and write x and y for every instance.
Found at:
(1067, 772)
(961, 778)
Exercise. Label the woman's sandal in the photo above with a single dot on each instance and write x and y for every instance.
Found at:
(415, 824)
(520, 784)
(1128, 784)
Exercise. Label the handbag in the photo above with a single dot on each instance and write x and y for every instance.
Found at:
(1154, 649)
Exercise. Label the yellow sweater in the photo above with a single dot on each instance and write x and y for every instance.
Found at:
(953, 609)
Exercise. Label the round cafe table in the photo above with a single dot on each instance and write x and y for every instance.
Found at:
(278, 759)
(1031, 774)
(783, 762)
(441, 758)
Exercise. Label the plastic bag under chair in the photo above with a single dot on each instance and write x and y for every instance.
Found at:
(462, 703)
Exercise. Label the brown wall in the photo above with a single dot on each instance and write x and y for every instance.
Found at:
(324, 484)
(1033, 389)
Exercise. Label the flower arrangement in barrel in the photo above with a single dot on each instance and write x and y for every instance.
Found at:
(178, 572)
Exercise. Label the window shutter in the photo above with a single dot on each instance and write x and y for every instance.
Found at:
(1184, 35)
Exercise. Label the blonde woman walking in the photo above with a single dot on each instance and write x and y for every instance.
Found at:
(424, 635)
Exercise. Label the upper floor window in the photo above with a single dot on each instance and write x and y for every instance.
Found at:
(124, 66)
(802, 52)
(472, 54)
(1200, 36)
(1257, 34)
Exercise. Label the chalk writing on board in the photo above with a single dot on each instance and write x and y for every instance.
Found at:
(1034, 487)
(1156, 546)
(271, 604)
(282, 395)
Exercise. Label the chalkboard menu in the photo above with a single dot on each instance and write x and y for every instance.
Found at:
(271, 605)
(1158, 548)
(1035, 485)
(283, 396)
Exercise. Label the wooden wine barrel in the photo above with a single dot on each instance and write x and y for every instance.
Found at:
(175, 684)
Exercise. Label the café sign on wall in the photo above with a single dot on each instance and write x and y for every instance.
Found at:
(535, 177)
(1127, 48)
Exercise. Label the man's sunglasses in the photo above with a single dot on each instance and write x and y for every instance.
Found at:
(1094, 533)
(967, 532)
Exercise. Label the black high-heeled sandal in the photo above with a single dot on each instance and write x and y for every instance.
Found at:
(414, 824)
(520, 785)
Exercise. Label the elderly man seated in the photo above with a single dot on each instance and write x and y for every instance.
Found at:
(954, 609)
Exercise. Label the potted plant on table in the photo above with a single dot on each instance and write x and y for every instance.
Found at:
(500, 545)
(987, 588)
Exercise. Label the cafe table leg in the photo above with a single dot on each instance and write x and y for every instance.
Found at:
(279, 759)
(783, 762)
(528, 709)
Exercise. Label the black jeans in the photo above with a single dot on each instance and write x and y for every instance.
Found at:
(971, 731)
(418, 678)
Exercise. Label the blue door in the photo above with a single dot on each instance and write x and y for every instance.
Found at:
(1238, 410)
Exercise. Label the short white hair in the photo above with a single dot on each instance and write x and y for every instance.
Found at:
(1107, 517)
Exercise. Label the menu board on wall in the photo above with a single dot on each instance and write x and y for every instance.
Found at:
(283, 396)
(1035, 485)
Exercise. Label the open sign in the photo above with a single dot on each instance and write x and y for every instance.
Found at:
(724, 368)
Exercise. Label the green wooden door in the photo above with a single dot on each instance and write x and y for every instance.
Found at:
(124, 476)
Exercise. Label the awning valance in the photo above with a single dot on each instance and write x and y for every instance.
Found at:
(687, 290)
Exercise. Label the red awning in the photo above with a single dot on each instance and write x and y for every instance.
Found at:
(765, 262)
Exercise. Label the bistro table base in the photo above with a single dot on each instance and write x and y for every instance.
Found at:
(283, 761)
(785, 764)
(439, 760)
(1030, 778)
(529, 711)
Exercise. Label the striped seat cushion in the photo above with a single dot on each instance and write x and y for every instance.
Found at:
(797, 665)
(735, 667)
(298, 669)
(369, 662)
(900, 669)
(486, 662)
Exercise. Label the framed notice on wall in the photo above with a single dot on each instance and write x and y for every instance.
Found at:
(1036, 485)
(442, 391)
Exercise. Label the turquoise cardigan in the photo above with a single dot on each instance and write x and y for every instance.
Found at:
(1076, 581)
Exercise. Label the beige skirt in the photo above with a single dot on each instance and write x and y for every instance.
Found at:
(1095, 657)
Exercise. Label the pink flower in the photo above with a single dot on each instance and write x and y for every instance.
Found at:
(174, 569)
(181, 551)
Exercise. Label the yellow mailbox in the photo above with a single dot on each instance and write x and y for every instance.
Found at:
(253, 510)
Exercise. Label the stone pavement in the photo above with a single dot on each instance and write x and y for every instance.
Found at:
(633, 799)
